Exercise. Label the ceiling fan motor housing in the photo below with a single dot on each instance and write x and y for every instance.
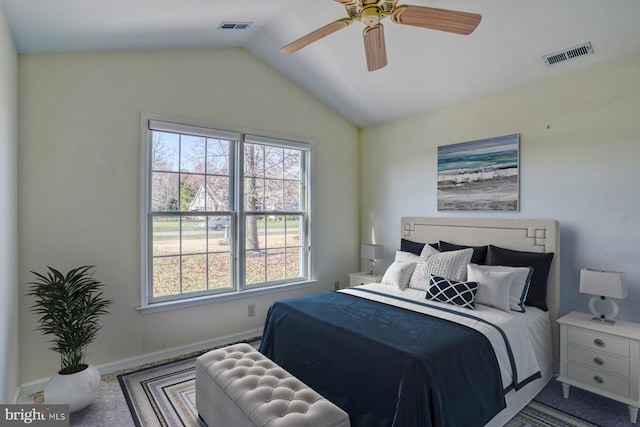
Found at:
(370, 16)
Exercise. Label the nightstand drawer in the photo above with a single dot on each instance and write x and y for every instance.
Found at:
(357, 279)
(599, 342)
(599, 360)
(599, 379)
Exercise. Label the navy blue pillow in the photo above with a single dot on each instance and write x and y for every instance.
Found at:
(453, 292)
(541, 263)
(479, 252)
(414, 247)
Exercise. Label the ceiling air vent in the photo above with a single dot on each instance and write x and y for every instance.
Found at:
(234, 25)
(567, 54)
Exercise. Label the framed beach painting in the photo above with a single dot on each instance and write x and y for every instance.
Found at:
(480, 175)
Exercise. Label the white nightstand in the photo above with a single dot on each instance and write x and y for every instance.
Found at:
(363, 277)
(600, 358)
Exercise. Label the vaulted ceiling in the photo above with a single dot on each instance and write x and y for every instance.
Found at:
(426, 69)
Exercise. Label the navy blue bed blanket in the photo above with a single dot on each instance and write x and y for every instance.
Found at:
(384, 365)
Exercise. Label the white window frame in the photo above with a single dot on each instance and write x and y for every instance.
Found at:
(155, 122)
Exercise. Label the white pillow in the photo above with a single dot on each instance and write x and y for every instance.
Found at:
(398, 274)
(521, 276)
(407, 256)
(450, 265)
(494, 287)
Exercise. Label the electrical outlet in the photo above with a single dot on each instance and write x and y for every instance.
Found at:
(251, 310)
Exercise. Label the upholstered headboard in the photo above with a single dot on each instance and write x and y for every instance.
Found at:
(531, 235)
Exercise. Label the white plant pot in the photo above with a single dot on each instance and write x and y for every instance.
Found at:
(77, 390)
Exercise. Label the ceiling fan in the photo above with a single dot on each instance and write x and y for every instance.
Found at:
(372, 12)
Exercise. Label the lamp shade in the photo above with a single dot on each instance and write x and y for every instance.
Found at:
(603, 283)
(370, 251)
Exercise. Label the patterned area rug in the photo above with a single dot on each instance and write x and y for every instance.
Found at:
(164, 395)
(540, 415)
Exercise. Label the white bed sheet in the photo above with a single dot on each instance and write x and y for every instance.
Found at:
(529, 334)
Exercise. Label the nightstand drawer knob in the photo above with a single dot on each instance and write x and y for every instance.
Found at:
(598, 379)
(598, 361)
(598, 342)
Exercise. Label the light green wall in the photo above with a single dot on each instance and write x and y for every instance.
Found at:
(579, 164)
(79, 127)
(8, 215)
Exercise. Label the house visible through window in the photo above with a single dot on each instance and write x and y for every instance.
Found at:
(225, 211)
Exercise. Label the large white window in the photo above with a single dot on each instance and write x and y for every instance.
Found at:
(224, 211)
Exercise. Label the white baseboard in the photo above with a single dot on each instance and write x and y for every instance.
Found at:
(132, 362)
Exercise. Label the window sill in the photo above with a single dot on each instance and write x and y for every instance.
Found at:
(209, 299)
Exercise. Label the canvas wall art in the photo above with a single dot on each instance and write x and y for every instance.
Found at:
(480, 175)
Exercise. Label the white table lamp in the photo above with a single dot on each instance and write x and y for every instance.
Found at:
(603, 284)
(372, 253)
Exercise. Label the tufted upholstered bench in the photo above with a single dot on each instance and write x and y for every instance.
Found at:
(237, 386)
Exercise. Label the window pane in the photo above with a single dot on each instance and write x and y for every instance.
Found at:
(293, 226)
(218, 230)
(220, 270)
(274, 192)
(292, 164)
(292, 196)
(294, 261)
(256, 232)
(255, 267)
(218, 152)
(164, 192)
(273, 163)
(190, 185)
(216, 193)
(194, 237)
(254, 194)
(166, 235)
(192, 154)
(275, 232)
(194, 273)
(254, 160)
(275, 265)
(166, 276)
(165, 151)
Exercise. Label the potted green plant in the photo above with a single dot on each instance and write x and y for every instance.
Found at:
(69, 307)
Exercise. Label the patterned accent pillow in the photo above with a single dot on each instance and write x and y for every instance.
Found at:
(452, 265)
(453, 292)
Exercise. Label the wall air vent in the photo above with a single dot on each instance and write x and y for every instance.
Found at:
(234, 25)
(567, 54)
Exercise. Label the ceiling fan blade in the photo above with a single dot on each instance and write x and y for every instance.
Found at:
(374, 47)
(450, 21)
(316, 35)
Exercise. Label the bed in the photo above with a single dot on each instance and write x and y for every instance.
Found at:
(391, 357)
